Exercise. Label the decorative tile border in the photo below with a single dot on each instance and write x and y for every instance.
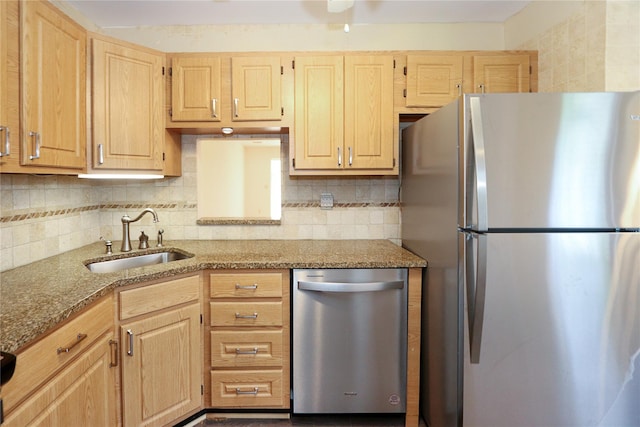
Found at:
(66, 211)
(237, 221)
(43, 214)
(316, 204)
(174, 205)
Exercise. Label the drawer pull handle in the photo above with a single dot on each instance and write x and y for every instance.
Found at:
(253, 392)
(79, 338)
(246, 316)
(253, 351)
(239, 286)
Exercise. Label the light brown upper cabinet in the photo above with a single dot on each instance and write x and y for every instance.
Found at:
(256, 88)
(195, 89)
(53, 64)
(128, 100)
(213, 88)
(433, 80)
(9, 87)
(344, 120)
(501, 73)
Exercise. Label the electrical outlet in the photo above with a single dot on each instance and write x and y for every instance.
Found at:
(326, 201)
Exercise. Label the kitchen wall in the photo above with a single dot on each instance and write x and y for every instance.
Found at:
(584, 45)
(43, 215)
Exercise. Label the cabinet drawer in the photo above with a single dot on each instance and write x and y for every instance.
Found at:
(151, 298)
(232, 313)
(247, 388)
(248, 285)
(246, 348)
(51, 353)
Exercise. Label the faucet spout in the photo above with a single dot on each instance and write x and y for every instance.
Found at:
(126, 220)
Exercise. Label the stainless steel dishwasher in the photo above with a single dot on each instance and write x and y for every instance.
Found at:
(349, 341)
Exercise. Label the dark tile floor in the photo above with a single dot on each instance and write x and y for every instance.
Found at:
(310, 421)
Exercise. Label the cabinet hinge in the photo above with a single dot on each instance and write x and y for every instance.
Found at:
(293, 161)
(404, 93)
(293, 64)
(202, 389)
(404, 70)
(163, 157)
(281, 70)
(201, 319)
(170, 112)
(163, 71)
(530, 69)
(394, 162)
(170, 71)
(394, 64)
(282, 111)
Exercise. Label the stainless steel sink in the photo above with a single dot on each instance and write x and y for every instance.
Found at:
(112, 265)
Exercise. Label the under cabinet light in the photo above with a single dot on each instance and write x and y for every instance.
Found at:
(119, 176)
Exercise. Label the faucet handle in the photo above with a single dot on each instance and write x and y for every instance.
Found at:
(160, 233)
(108, 246)
(144, 241)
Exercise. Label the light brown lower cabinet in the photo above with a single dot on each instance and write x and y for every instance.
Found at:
(249, 339)
(83, 394)
(68, 377)
(161, 338)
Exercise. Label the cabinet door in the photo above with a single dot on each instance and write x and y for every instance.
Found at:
(161, 367)
(433, 80)
(195, 89)
(319, 133)
(501, 73)
(368, 112)
(53, 88)
(9, 87)
(128, 126)
(255, 87)
(83, 394)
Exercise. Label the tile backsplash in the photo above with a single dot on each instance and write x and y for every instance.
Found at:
(41, 216)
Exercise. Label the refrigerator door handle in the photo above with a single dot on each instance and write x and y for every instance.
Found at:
(480, 165)
(476, 289)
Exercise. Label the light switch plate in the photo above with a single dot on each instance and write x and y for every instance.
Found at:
(326, 201)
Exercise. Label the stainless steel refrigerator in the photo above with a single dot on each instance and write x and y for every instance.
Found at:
(527, 209)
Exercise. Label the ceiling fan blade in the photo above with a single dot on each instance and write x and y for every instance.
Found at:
(337, 6)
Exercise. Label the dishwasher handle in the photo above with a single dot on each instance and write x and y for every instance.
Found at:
(350, 286)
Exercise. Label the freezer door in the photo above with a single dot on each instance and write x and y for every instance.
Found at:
(552, 160)
(559, 333)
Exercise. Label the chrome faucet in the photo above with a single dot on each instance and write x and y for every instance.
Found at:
(126, 220)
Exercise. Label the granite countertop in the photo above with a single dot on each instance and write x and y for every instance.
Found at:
(36, 297)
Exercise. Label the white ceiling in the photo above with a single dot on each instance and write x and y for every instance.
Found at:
(132, 13)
